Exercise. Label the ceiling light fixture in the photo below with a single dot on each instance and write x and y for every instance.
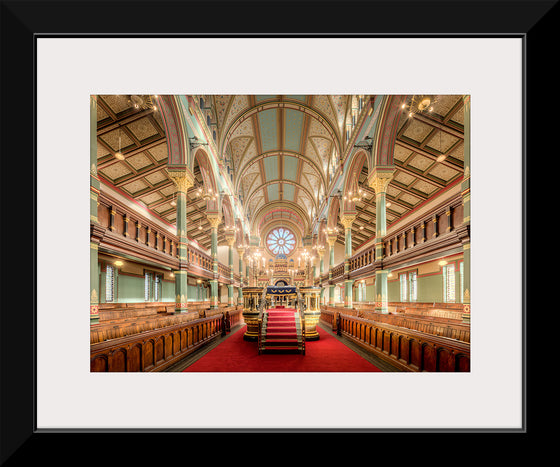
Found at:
(142, 102)
(420, 104)
(206, 194)
(442, 156)
(119, 155)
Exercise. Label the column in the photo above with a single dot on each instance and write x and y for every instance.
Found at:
(331, 239)
(379, 182)
(240, 292)
(321, 252)
(466, 194)
(214, 222)
(94, 195)
(230, 239)
(346, 221)
(183, 181)
(313, 271)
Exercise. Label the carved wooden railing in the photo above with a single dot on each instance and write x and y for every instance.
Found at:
(261, 309)
(198, 258)
(407, 349)
(223, 270)
(437, 231)
(128, 232)
(338, 271)
(301, 310)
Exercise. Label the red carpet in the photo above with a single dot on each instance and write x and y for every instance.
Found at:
(324, 355)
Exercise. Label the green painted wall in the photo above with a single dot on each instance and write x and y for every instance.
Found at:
(130, 289)
(430, 289)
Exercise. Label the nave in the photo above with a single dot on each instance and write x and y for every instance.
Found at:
(324, 355)
(209, 212)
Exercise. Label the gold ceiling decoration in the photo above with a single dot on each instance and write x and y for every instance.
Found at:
(142, 102)
(423, 103)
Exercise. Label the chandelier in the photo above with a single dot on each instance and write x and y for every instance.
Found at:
(207, 194)
(354, 196)
(142, 102)
(331, 230)
(419, 104)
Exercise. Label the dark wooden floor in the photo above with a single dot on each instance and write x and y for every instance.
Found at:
(378, 362)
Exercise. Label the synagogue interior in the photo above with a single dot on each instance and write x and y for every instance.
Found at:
(280, 233)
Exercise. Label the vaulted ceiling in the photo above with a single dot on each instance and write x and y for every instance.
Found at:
(280, 148)
(280, 153)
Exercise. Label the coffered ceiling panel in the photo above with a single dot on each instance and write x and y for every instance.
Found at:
(115, 171)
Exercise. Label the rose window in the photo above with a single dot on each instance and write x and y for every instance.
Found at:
(281, 241)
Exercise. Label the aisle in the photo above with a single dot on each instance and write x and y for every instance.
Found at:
(324, 355)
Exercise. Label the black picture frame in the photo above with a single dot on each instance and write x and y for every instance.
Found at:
(22, 22)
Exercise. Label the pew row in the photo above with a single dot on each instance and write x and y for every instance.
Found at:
(408, 349)
(157, 349)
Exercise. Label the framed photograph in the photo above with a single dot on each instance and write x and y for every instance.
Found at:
(490, 54)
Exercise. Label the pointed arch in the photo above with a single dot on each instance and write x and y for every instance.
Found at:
(209, 178)
(333, 213)
(384, 140)
(352, 178)
(227, 212)
(173, 126)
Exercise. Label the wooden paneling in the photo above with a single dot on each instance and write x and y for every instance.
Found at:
(408, 349)
(103, 215)
(119, 224)
(155, 350)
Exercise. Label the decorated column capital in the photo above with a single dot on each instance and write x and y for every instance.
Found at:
(183, 179)
(380, 179)
(347, 219)
(214, 220)
(331, 239)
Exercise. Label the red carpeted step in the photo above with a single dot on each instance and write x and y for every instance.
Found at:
(278, 342)
(280, 334)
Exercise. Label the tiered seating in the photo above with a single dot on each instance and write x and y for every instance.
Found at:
(125, 319)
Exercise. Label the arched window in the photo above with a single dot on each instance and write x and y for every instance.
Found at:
(281, 241)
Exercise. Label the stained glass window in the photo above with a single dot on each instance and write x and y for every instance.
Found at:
(449, 283)
(109, 283)
(281, 241)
